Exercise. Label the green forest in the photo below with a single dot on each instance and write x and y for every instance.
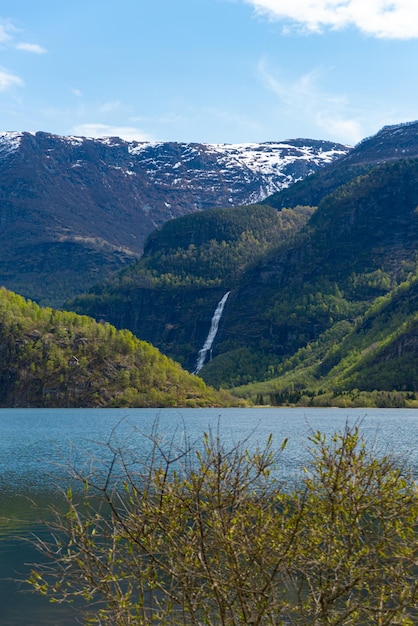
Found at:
(53, 358)
(207, 249)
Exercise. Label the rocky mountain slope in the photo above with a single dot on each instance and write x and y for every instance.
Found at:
(73, 210)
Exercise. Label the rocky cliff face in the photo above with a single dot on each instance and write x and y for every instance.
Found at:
(72, 209)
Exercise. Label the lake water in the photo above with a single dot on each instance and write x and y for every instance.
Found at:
(37, 446)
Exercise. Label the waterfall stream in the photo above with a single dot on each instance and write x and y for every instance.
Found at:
(212, 333)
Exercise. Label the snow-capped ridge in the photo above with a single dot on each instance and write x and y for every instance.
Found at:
(214, 174)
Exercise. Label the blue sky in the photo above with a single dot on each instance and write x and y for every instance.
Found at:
(212, 71)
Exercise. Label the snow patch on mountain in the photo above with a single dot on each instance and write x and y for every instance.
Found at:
(136, 147)
(271, 158)
(10, 142)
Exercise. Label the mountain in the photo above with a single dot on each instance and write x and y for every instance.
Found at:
(391, 143)
(55, 359)
(298, 290)
(73, 210)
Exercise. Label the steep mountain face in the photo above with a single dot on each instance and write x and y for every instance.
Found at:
(369, 361)
(399, 141)
(390, 143)
(73, 210)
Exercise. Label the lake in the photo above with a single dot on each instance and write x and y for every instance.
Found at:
(37, 447)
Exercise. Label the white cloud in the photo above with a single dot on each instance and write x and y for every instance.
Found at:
(31, 47)
(347, 130)
(9, 34)
(304, 100)
(298, 93)
(128, 133)
(392, 19)
(9, 80)
(7, 31)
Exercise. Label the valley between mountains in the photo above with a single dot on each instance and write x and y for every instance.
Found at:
(314, 243)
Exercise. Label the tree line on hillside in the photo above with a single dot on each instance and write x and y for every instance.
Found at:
(206, 249)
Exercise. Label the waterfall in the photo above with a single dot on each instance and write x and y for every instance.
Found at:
(212, 333)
